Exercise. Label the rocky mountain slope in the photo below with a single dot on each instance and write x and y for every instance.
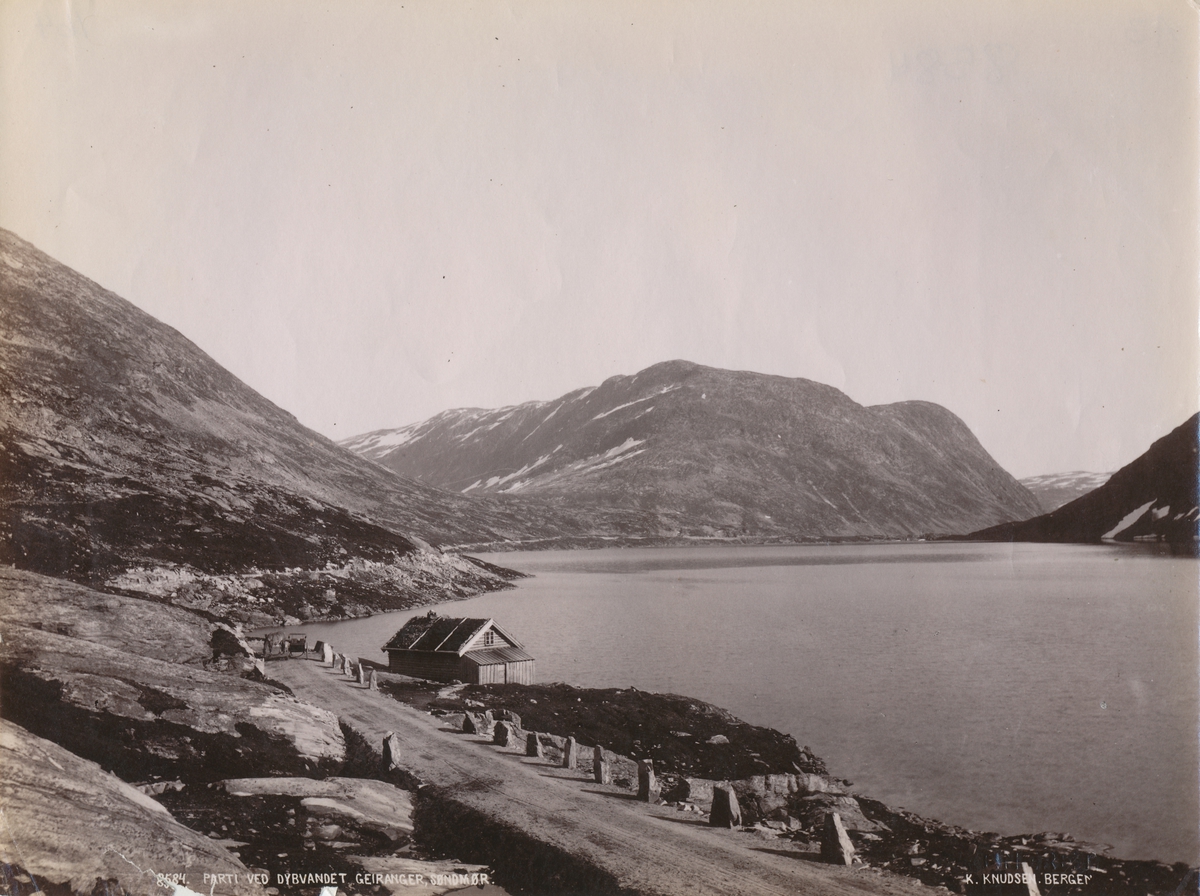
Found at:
(697, 451)
(1053, 490)
(52, 801)
(1154, 498)
(124, 447)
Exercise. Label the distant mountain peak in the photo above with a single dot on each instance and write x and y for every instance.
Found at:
(706, 452)
(1053, 490)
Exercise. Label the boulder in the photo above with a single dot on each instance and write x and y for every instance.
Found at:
(151, 629)
(477, 723)
(507, 715)
(647, 784)
(836, 847)
(391, 753)
(725, 812)
(533, 745)
(504, 734)
(362, 803)
(569, 751)
(812, 808)
(599, 766)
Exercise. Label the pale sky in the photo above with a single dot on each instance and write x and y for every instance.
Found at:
(374, 211)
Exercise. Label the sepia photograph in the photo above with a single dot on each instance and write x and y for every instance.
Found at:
(625, 448)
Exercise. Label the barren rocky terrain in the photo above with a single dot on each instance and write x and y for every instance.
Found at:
(699, 452)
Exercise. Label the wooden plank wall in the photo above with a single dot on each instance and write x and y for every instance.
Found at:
(448, 667)
(432, 666)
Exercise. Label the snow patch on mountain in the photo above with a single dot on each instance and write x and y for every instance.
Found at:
(377, 442)
(1128, 520)
(663, 391)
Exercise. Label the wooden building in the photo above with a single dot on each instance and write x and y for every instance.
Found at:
(442, 648)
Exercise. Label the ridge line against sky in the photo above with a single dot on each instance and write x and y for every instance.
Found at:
(378, 211)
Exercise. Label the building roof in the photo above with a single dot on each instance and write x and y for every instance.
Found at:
(446, 634)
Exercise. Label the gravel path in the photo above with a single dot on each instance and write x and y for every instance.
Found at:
(649, 849)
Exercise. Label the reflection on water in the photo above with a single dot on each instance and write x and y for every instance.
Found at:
(1014, 688)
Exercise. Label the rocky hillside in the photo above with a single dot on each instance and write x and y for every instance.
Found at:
(126, 452)
(697, 451)
(1152, 499)
(159, 723)
(1053, 490)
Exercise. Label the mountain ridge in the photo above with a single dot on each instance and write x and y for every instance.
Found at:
(1152, 498)
(130, 459)
(706, 452)
(1053, 490)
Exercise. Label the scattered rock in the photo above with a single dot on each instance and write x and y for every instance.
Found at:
(569, 750)
(836, 847)
(725, 812)
(600, 771)
(362, 802)
(477, 723)
(391, 753)
(647, 785)
(811, 810)
(160, 787)
(717, 739)
(504, 734)
(533, 745)
(507, 715)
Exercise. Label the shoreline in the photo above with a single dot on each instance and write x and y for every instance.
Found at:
(891, 839)
(144, 702)
(952, 799)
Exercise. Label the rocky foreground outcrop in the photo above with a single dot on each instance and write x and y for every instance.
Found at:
(67, 823)
(142, 749)
(146, 690)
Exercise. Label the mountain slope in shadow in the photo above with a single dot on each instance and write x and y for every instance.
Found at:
(1154, 498)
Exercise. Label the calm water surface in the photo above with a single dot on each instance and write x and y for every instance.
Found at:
(1012, 688)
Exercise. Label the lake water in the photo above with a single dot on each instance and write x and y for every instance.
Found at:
(1010, 688)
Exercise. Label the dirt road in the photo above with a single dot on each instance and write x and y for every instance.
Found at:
(648, 849)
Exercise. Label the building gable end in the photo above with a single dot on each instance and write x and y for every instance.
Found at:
(488, 637)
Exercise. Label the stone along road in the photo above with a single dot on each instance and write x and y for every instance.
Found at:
(646, 848)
